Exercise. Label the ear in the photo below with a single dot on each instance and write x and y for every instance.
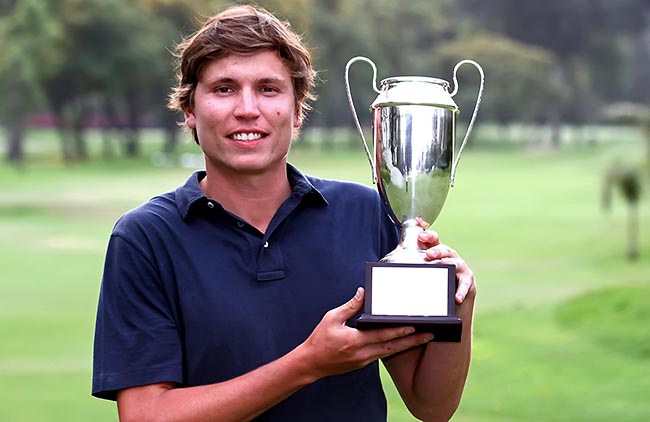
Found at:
(297, 120)
(190, 119)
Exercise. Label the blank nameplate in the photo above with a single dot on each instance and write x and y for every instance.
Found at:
(416, 295)
(417, 290)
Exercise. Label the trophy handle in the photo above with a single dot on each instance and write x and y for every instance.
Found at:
(373, 166)
(471, 121)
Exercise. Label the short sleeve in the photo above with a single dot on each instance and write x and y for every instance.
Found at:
(137, 340)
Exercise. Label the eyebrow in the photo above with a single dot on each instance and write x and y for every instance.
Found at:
(227, 80)
(272, 79)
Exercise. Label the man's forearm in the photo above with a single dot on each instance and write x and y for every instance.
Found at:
(332, 348)
(240, 399)
(431, 379)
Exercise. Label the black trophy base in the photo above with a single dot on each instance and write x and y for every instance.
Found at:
(444, 329)
(416, 295)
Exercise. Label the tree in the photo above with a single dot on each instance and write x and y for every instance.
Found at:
(24, 58)
(397, 36)
(590, 38)
(169, 21)
(522, 79)
(142, 71)
(81, 57)
(112, 56)
(639, 88)
(627, 180)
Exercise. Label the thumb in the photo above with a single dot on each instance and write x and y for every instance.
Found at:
(352, 306)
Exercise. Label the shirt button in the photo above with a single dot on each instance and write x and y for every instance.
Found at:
(210, 205)
(266, 244)
(240, 224)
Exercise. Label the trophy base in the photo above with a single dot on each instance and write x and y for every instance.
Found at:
(444, 329)
(417, 295)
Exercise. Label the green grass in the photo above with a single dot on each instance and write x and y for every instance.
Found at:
(610, 317)
(561, 322)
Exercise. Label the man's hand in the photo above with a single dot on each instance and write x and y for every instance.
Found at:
(431, 380)
(443, 254)
(334, 348)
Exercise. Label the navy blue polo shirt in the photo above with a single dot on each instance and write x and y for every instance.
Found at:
(194, 295)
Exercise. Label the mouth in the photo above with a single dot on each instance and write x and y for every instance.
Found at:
(247, 136)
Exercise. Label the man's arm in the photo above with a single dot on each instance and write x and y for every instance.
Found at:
(239, 399)
(431, 378)
(332, 348)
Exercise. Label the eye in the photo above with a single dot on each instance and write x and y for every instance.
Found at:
(223, 90)
(269, 89)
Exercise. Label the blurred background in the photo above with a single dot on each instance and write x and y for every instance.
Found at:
(551, 207)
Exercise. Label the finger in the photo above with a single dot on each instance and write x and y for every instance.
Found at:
(383, 342)
(349, 308)
(428, 239)
(382, 335)
(422, 223)
(389, 348)
(464, 275)
(440, 251)
(466, 283)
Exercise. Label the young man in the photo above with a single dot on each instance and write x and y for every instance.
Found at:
(228, 299)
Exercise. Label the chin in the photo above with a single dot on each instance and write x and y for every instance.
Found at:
(254, 168)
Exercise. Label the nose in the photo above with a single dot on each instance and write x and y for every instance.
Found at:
(247, 105)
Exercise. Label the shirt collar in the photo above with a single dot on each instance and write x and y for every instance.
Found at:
(189, 195)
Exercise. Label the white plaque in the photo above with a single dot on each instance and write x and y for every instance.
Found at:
(413, 291)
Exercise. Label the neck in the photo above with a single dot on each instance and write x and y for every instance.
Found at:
(252, 197)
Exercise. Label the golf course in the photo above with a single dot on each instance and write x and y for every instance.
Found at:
(561, 325)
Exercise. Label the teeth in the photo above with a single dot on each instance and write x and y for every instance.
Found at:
(247, 136)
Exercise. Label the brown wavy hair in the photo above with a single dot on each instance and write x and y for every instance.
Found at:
(241, 30)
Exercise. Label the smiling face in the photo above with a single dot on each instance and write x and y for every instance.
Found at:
(244, 113)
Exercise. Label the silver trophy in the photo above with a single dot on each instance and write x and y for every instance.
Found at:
(413, 165)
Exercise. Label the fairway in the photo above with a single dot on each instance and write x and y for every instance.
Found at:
(561, 323)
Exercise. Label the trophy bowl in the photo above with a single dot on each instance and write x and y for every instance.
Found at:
(414, 149)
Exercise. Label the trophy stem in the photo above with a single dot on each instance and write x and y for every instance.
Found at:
(408, 251)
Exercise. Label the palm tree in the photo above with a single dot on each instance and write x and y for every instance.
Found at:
(628, 179)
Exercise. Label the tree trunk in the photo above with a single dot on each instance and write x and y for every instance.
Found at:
(633, 231)
(132, 130)
(64, 137)
(110, 129)
(79, 143)
(170, 126)
(70, 121)
(171, 140)
(556, 130)
(131, 143)
(15, 150)
(78, 113)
